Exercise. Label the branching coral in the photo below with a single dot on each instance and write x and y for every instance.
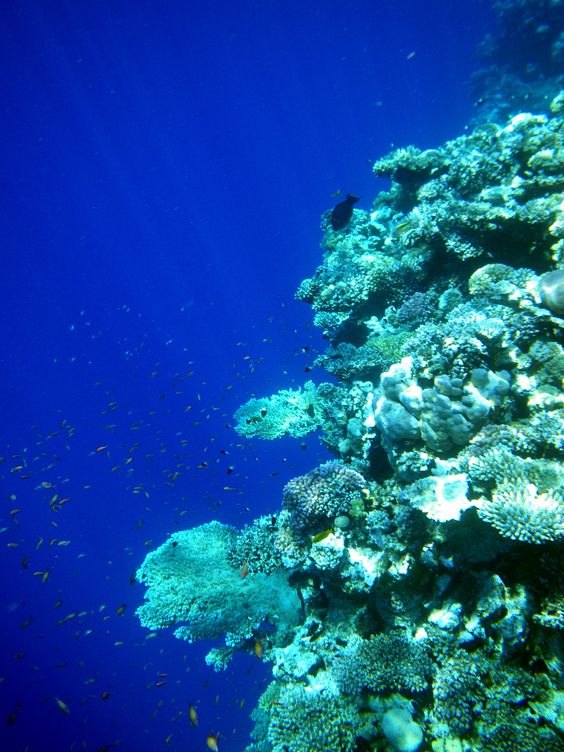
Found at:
(308, 721)
(383, 663)
(521, 513)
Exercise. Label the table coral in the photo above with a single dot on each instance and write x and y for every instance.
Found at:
(289, 411)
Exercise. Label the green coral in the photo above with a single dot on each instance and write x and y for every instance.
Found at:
(292, 412)
(348, 362)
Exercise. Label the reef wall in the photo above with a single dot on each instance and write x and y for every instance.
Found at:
(409, 595)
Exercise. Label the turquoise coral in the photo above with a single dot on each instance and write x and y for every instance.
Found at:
(192, 587)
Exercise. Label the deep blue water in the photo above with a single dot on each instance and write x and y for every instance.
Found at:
(164, 170)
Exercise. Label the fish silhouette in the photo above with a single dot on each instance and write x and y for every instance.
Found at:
(341, 214)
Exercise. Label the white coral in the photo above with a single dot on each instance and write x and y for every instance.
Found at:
(521, 513)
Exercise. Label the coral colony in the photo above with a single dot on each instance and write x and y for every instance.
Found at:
(409, 595)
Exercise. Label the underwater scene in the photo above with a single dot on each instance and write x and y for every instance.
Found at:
(283, 409)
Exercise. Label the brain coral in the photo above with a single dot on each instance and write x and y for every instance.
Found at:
(316, 498)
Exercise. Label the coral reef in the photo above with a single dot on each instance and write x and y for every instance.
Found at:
(523, 60)
(412, 587)
(383, 663)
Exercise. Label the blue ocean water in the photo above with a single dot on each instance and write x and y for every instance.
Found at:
(164, 171)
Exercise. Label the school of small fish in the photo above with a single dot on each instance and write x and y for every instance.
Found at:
(47, 530)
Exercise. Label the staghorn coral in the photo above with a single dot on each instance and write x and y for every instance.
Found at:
(521, 513)
(498, 464)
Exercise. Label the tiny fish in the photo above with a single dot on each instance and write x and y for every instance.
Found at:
(63, 707)
(193, 715)
(213, 742)
(12, 718)
(258, 649)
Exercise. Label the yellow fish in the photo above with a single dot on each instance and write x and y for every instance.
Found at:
(63, 707)
(321, 536)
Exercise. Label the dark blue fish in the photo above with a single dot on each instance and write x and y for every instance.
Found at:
(342, 213)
